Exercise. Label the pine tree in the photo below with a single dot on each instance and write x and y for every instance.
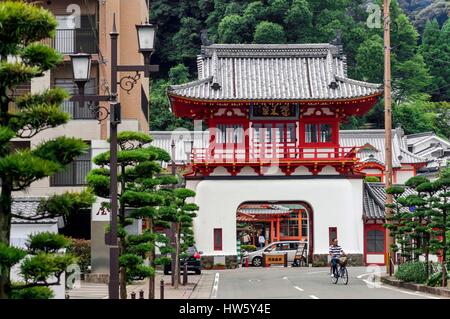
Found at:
(184, 235)
(22, 26)
(142, 195)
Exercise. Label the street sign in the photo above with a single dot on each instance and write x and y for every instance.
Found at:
(100, 213)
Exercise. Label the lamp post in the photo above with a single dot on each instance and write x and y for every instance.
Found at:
(81, 64)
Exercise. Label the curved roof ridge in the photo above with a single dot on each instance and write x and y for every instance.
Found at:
(418, 157)
(356, 82)
(372, 194)
(209, 79)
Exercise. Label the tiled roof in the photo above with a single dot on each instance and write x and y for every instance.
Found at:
(273, 72)
(374, 199)
(375, 138)
(28, 207)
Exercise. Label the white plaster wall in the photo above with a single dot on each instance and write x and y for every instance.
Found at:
(339, 206)
(375, 259)
(403, 176)
(40, 84)
(18, 238)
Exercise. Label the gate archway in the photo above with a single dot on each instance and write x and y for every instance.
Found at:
(277, 221)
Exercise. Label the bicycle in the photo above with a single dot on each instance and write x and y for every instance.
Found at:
(342, 274)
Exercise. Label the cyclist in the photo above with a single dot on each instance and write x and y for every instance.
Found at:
(335, 253)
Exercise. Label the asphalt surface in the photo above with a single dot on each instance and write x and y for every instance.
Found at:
(305, 283)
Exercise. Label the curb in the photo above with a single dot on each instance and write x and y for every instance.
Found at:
(416, 287)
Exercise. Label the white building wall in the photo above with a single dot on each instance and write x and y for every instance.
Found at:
(339, 206)
(403, 176)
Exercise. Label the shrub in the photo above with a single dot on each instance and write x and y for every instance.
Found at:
(412, 272)
(435, 279)
(81, 248)
(248, 247)
(38, 292)
(372, 179)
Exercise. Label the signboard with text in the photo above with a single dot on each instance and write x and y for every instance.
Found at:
(268, 111)
(99, 212)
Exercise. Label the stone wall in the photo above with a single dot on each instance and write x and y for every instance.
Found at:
(321, 260)
(230, 262)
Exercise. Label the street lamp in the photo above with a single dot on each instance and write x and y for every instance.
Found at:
(81, 68)
(146, 39)
(81, 64)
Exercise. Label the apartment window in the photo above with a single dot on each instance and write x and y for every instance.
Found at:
(75, 173)
(375, 241)
(229, 133)
(73, 108)
(217, 238)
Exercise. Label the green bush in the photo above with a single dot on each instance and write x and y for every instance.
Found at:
(435, 279)
(248, 247)
(412, 272)
(81, 248)
(38, 292)
(372, 179)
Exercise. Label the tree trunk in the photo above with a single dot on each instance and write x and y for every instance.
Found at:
(177, 255)
(151, 260)
(122, 275)
(5, 229)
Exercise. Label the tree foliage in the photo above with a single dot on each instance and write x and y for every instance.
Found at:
(22, 25)
(143, 196)
(420, 222)
(415, 71)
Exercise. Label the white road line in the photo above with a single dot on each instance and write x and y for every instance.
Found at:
(284, 278)
(298, 288)
(416, 293)
(314, 297)
(215, 287)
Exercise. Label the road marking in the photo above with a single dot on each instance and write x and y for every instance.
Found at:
(284, 278)
(215, 287)
(416, 293)
(314, 297)
(298, 288)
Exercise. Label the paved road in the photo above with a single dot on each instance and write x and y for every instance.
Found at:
(303, 283)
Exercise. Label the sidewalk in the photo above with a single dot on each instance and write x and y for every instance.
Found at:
(100, 291)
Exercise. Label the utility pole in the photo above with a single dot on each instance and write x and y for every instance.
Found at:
(173, 225)
(388, 129)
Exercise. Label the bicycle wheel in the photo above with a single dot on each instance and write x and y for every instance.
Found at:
(344, 275)
(334, 279)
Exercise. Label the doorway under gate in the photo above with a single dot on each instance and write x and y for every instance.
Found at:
(274, 221)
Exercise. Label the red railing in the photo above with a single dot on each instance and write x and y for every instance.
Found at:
(235, 154)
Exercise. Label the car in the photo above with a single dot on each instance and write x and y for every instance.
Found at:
(193, 262)
(290, 247)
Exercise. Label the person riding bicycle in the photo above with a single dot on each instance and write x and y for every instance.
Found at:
(335, 253)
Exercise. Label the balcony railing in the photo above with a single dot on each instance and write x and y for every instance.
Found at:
(235, 154)
(74, 174)
(76, 112)
(69, 41)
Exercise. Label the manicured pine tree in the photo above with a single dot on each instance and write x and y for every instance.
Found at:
(143, 194)
(22, 26)
(184, 235)
(440, 223)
